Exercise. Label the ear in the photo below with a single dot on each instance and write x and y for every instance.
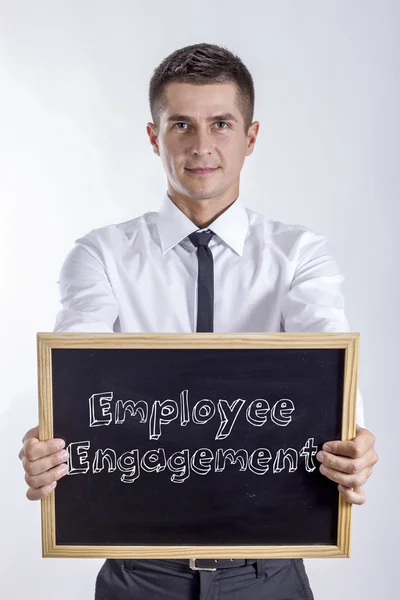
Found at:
(252, 136)
(153, 136)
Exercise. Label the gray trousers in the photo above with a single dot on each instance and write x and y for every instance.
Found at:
(172, 579)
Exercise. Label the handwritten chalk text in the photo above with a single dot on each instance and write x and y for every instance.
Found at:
(103, 411)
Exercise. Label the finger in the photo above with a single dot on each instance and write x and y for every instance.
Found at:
(356, 496)
(37, 481)
(32, 433)
(34, 449)
(350, 481)
(38, 494)
(355, 448)
(36, 467)
(347, 465)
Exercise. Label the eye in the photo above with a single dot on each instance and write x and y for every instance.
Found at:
(182, 123)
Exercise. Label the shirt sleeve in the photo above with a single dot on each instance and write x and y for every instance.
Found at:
(87, 299)
(314, 301)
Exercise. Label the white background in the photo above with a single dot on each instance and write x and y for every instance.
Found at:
(74, 155)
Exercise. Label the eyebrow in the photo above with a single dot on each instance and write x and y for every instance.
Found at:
(223, 117)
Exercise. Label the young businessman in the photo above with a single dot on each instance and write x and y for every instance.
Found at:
(262, 275)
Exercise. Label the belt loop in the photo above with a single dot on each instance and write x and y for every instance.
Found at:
(260, 567)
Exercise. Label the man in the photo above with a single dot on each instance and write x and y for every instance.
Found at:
(156, 273)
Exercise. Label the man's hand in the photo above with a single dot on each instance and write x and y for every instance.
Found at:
(350, 464)
(43, 463)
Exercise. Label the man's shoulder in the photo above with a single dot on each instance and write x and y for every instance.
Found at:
(280, 231)
(115, 232)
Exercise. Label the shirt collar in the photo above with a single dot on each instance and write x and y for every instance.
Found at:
(173, 225)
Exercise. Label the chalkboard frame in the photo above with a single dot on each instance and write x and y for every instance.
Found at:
(349, 342)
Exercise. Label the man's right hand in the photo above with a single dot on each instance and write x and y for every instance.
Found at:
(43, 462)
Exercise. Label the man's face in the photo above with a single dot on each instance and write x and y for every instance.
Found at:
(202, 127)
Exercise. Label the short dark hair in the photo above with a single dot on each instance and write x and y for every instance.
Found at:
(202, 64)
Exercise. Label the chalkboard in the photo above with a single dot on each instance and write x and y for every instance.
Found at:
(195, 445)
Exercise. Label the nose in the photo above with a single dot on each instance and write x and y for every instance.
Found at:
(201, 143)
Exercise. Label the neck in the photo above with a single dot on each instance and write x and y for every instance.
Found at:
(202, 212)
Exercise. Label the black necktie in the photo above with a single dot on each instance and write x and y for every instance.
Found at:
(205, 280)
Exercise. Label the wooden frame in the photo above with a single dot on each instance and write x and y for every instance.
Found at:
(47, 341)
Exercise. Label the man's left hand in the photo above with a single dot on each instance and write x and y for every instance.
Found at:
(350, 464)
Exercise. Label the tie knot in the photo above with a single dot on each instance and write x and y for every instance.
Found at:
(201, 238)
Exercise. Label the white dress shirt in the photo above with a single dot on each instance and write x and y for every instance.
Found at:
(141, 276)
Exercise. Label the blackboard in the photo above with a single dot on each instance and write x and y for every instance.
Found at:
(202, 446)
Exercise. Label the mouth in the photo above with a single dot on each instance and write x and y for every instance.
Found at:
(201, 171)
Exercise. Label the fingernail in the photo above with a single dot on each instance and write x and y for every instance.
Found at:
(53, 485)
(64, 455)
(64, 470)
(320, 456)
(323, 469)
(327, 448)
(60, 444)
